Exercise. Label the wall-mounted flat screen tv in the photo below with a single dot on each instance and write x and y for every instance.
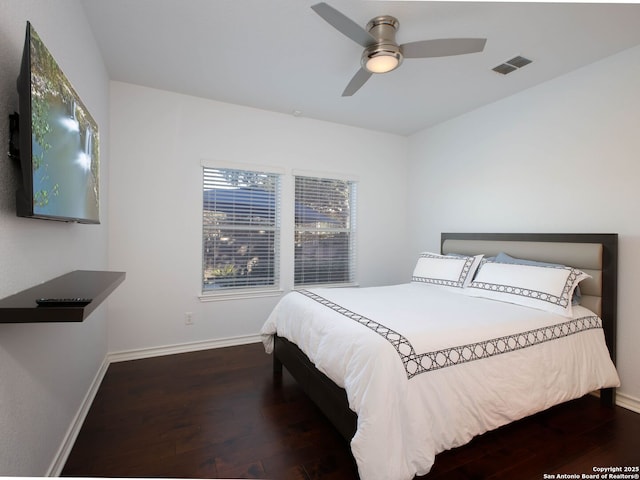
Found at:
(58, 142)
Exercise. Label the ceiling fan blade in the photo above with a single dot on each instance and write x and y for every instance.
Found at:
(343, 24)
(358, 80)
(442, 47)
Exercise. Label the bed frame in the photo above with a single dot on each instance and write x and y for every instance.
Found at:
(596, 254)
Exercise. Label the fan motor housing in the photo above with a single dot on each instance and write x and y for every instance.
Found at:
(383, 29)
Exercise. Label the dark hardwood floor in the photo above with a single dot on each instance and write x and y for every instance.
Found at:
(220, 414)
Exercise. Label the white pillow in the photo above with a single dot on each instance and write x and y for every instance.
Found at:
(447, 270)
(548, 288)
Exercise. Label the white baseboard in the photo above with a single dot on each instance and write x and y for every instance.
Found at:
(181, 348)
(628, 402)
(55, 469)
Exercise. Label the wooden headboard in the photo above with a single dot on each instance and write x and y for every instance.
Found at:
(595, 254)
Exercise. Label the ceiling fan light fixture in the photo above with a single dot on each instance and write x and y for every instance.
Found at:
(382, 53)
(382, 63)
(381, 58)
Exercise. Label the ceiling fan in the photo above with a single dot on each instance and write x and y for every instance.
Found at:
(382, 53)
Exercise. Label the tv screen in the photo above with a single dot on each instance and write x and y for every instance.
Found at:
(59, 144)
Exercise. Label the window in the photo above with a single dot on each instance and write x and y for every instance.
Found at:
(324, 231)
(240, 220)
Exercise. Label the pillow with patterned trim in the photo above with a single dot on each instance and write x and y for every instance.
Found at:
(446, 270)
(548, 288)
(504, 258)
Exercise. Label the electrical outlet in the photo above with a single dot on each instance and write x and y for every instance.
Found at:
(188, 318)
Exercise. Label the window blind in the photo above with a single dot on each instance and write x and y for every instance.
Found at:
(324, 231)
(241, 229)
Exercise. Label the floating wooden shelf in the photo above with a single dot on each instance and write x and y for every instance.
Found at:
(97, 285)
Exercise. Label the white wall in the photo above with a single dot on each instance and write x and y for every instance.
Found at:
(158, 141)
(560, 157)
(46, 370)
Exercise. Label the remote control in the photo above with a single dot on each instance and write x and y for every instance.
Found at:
(63, 302)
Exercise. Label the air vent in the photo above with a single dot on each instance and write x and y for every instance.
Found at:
(519, 61)
(511, 65)
(504, 68)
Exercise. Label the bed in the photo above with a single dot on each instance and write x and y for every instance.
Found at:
(407, 371)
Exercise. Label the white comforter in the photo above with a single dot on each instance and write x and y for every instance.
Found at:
(392, 349)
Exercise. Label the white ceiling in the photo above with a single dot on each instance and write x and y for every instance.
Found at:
(279, 55)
